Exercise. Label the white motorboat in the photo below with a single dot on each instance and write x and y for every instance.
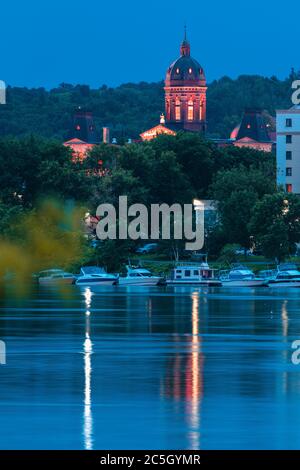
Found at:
(55, 276)
(137, 276)
(193, 274)
(240, 276)
(287, 275)
(95, 276)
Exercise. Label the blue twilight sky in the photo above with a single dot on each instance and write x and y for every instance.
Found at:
(44, 43)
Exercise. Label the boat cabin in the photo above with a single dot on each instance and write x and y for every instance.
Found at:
(137, 272)
(192, 272)
(237, 273)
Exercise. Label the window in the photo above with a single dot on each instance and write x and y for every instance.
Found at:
(196, 272)
(281, 276)
(288, 188)
(190, 110)
(288, 139)
(201, 110)
(288, 171)
(177, 111)
(289, 155)
(187, 273)
(288, 122)
(206, 274)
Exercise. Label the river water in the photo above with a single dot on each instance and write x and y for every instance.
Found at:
(150, 368)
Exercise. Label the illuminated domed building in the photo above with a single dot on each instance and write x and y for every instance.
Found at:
(185, 93)
(185, 96)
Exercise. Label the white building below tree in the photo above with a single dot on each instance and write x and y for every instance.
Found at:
(288, 149)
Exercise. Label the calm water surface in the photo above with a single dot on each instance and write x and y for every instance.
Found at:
(165, 368)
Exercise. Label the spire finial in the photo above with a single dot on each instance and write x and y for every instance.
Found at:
(185, 45)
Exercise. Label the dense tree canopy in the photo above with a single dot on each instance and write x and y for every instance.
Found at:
(32, 169)
(237, 191)
(170, 169)
(275, 224)
(132, 108)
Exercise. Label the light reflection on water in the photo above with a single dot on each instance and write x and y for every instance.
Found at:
(172, 368)
(194, 400)
(88, 350)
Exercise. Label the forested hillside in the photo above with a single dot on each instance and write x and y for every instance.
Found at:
(132, 108)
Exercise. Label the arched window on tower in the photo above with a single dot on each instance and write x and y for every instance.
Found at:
(190, 110)
(201, 111)
(177, 110)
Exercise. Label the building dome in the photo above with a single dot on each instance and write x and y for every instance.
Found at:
(185, 93)
(185, 71)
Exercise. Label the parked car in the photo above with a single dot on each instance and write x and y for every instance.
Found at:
(148, 248)
(243, 251)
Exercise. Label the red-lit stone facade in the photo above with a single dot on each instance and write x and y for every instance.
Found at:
(79, 149)
(185, 93)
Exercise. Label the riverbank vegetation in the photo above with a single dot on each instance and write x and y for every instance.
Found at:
(252, 212)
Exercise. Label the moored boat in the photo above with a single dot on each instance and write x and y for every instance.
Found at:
(55, 276)
(193, 274)
(287, 275)
(240, 276)
(95, 276)
(137, 276)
